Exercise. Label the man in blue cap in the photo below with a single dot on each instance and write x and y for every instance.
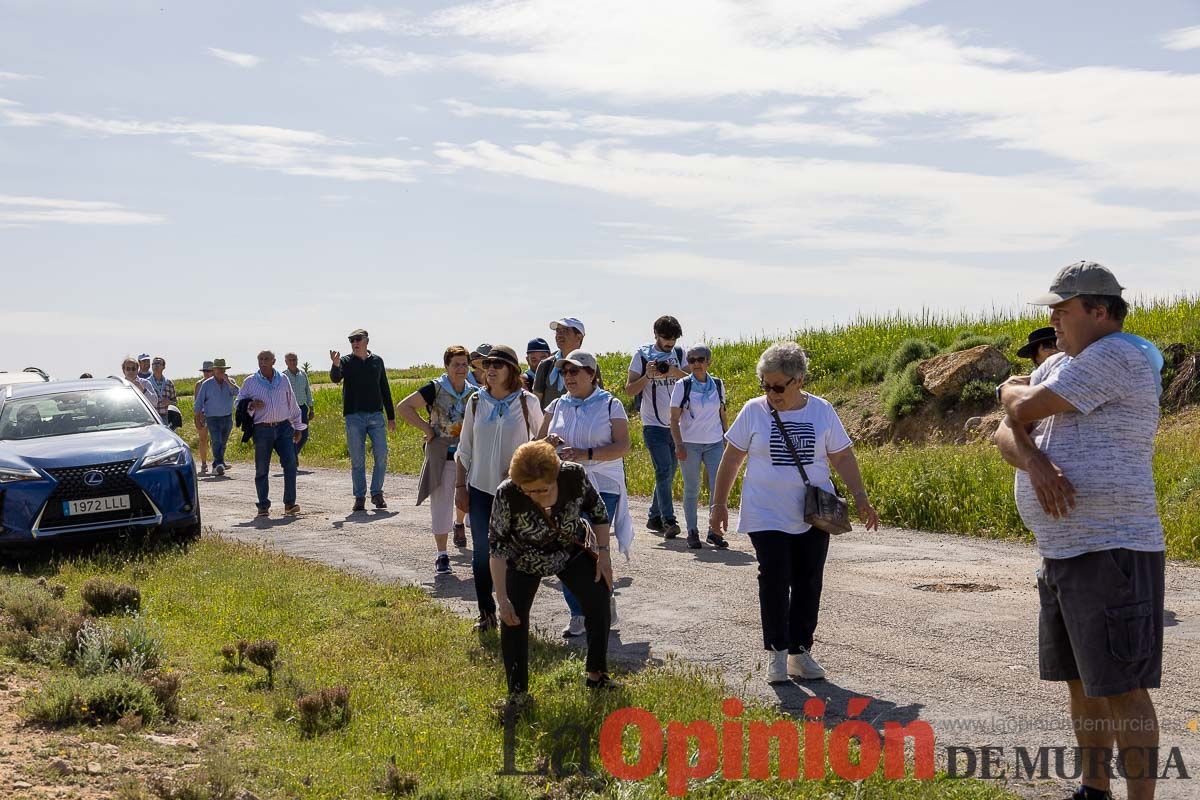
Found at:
(536, 352)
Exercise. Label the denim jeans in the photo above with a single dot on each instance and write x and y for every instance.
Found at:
(662, 453)
(480, 511)
(268, 439)
(218, 436)
(359, 426)
(303, 433)
(708, 455)
(791, 569)
(610, 504)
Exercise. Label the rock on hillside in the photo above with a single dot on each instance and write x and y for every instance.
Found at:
(945, 376)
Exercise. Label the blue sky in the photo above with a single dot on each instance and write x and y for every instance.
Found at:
(203, 180)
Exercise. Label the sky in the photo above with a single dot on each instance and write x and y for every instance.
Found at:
(203, 180)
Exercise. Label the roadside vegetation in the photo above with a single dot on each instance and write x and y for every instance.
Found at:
(327, 685)
(952, 487)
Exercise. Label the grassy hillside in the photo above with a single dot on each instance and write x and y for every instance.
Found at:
(954, 488)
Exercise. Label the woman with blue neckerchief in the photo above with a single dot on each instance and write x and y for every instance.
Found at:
(698, 426)
(589, 426)
(499, 418)
(445, 401)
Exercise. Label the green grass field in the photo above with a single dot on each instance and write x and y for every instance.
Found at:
(953, 488)
(422, 685)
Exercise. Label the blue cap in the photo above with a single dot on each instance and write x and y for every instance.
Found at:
(537, 345)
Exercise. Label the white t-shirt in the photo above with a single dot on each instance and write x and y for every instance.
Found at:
(772, 489)
(700, 421)
(657, 392)
(591, 426)
(1105, 449)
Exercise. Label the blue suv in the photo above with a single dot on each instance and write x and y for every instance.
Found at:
(80, 457)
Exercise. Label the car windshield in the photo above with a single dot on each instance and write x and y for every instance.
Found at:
(64, 413)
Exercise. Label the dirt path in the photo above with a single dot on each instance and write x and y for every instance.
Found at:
(964, 661)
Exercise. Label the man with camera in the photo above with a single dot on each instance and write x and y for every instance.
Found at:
(653, 371)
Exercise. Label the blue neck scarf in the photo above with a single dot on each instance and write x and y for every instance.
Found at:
(500, 408)
(1151, 353)
(702, 390)
(580, 403)
(460, 398)
(555, 378)
(471, 380)
(651, 353)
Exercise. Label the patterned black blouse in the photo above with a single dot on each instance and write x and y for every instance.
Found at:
(519, 532)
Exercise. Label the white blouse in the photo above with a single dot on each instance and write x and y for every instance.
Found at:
(487, 442)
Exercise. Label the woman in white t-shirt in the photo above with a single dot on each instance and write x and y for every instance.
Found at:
(589, 426)
(791, 554)
(500, 417)
(698, 427)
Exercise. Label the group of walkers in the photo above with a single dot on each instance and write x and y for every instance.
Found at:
(533, 460)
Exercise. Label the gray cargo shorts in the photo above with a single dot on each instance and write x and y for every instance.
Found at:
(1101, 620)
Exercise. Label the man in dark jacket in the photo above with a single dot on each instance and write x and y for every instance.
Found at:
(366, 398)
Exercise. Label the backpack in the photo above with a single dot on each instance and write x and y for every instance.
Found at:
(524, 410)
(636, 403)
(687, 390)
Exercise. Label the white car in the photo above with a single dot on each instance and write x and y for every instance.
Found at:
(27, 375)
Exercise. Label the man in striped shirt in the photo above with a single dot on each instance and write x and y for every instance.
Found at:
(277, 427)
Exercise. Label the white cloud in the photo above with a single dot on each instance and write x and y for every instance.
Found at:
(15, 76)
(834, 205)
(1182, 39)
(286, 150)
(355, 21)
(25, 211)
(383, 60)
(245, 60)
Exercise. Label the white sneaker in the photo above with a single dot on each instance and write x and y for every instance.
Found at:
(803, 665)
(613, 620)
(777, 667)
(574, 628)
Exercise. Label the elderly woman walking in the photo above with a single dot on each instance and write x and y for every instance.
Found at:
(698, 426)
(445, 401)
(791, 554)
(500, 417)
(589, 426)
(537, 529)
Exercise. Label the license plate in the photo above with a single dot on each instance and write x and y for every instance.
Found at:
(95, 505)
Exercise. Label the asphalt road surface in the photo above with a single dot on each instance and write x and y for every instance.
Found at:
(964, 661)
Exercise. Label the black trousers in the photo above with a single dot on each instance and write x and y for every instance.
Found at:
(791, 569)
(580, 577)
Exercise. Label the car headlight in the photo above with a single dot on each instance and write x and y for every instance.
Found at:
(13, 474)
(175, 457)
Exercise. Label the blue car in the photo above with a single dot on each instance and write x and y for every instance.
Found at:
(86, 456)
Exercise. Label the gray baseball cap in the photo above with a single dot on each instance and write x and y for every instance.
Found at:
(580, 358)
(1082, 277)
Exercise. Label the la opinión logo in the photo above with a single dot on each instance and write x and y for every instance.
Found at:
(738, 749)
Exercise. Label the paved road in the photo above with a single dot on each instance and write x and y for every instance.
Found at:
(964, 661)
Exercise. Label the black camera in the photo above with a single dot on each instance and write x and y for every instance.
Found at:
(662, 367)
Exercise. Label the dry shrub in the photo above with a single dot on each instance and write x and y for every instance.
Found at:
(264, 653)
(104, 596)
(165, 685)
(325, 710)
(396, 783)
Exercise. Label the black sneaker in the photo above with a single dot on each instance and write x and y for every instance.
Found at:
(716, 540)
(603, 683)
(1087, 793)
(442, 565)
(486, 623)
(460, 536)
(378, 501)
(672, 530)
(360, 504)
(693, 540)
(655, 525)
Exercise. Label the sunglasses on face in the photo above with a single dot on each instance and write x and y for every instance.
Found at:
(776, 388)
(569, 371)
(696, 359)
(356, 339)
(488, 363)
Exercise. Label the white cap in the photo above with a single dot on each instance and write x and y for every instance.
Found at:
(570, 322)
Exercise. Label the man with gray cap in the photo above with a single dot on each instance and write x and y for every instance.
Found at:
(366, 400)
(1080, 431)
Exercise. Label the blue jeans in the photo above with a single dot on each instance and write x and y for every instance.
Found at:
(480, 511)
(277, 438)
(358, 427)
(610, 504)
(710, 456)
(218, 435)
(303, 433)
(662, 453)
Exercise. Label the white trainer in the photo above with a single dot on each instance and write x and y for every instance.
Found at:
(777, 667)
(574, 628)
(803, 665)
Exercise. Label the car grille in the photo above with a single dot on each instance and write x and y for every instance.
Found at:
(71, 487)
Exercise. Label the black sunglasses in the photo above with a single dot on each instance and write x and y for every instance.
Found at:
(776, 388)
(696, 359)
(569, 371)
(354, 339)
(495, 362)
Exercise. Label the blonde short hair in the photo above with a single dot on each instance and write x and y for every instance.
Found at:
(534, 461)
